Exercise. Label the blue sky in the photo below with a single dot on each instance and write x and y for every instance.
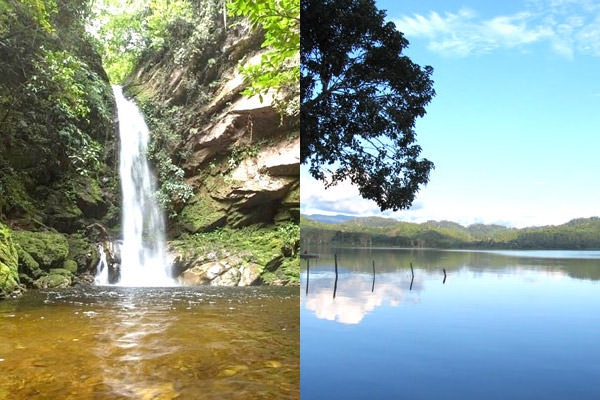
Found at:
(514, 130)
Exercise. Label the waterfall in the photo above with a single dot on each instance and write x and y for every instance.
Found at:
(144, 259)
(102, 268)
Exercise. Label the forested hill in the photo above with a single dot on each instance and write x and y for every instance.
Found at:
(582, 233)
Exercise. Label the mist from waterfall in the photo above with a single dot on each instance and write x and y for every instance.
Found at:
(144, 258)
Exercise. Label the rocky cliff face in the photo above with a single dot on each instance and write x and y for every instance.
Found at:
(228, 163)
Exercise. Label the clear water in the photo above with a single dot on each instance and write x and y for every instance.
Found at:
(144, 258)
(501, 326)
(150, 343)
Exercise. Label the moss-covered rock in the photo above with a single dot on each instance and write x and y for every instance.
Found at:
(60, 271)
(62, 212)
(9, 261)
(201, 215)
(14, 198)
(89, 197)
(70, 265)
(53, 281)
(48, 249)
(271, 251)
(84, 253)
(27, 265)
(26, 280)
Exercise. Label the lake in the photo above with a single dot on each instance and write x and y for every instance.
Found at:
(150, 344)
(496, 325)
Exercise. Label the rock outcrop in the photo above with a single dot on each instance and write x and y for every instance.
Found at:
(230, 271)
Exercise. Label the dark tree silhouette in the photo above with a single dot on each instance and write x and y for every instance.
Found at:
(360, 98)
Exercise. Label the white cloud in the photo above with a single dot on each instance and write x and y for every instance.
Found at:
(568, 27)
(342, 198)
(354, 299)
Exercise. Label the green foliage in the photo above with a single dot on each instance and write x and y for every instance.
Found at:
(13, 194)
(173, 189)
(289, 232)
(240, 153)
(128, 28)
(24, 14)
(55, 104)
(279, 68)
(61, 74)
(173, 192)
(61, 84)
(360, 99)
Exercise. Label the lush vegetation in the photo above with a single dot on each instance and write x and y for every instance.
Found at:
(55, 114)
(581, 233)
(279, 68)
(127, 29)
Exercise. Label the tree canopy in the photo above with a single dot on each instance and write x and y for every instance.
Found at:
(125, 29)
(360, 98)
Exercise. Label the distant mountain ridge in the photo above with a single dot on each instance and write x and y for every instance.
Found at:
(330, 219)
(580, 233)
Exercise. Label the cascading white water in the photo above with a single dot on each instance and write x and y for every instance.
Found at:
(102, 268)
(144, 259)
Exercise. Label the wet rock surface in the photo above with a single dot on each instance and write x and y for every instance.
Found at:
(230, 271)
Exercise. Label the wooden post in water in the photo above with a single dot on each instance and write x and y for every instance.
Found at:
(307, 273)
(373, 286)
(336, 275)
(444, 281)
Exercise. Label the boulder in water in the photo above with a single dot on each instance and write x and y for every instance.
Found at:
(249, 274)
(230, 271)
(114, 273)
(58, 278)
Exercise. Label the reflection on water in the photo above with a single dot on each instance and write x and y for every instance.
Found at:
(356, 295)
(479, 325)
(120, 343)
(134, 337)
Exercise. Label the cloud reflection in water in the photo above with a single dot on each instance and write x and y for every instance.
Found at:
(354, 298)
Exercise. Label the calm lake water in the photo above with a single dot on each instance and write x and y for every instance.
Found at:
(150, 343)
(503, 325)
